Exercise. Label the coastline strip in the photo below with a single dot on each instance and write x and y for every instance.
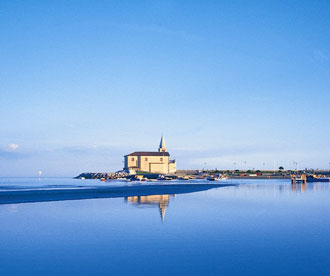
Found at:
(33, 196)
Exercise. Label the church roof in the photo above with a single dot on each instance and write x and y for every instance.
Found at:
(162, 143)
(148, 153)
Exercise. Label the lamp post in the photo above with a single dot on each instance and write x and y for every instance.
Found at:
(295, 163)
(234, 171)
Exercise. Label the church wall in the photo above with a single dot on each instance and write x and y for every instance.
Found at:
(146, 163)
(159, 168)
(131, 161)
(172, 167)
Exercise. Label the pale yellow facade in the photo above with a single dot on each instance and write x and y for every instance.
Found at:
(154, 162)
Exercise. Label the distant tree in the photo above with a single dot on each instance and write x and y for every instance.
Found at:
(281, 168)
(236, 170)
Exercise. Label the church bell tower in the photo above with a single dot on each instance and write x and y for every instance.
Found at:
(162, 146)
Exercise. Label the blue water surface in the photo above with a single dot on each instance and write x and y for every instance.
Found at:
(258, 227)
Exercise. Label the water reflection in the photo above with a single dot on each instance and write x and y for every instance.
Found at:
(303, 187)
(284, 187)
(255, 228)
(298, 187)
(161, 200)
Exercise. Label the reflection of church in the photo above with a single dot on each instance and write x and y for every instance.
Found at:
(161, 200)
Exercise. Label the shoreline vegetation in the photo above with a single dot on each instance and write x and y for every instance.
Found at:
(204, 174)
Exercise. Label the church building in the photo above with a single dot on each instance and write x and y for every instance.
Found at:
(151, 161)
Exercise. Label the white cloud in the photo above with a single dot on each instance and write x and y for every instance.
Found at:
(13, 146)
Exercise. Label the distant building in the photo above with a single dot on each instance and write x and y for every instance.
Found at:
(151, 161)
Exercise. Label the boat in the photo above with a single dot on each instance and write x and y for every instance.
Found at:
(297, 179)
(161, 177)
(212, 178)
(317, 178)
(139, 178)
(309, 178)
(224, 177)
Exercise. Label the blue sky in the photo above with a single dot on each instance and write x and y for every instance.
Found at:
(83, 83)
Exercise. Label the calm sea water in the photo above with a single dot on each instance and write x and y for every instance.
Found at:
(258, 227)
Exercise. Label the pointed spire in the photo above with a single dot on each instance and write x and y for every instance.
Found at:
(162, 209)
(162, 146)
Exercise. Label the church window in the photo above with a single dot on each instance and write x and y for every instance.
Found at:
(132, 159)
(161, 159)
(146, 159)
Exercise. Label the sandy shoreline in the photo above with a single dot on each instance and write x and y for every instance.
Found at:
(44, 195)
